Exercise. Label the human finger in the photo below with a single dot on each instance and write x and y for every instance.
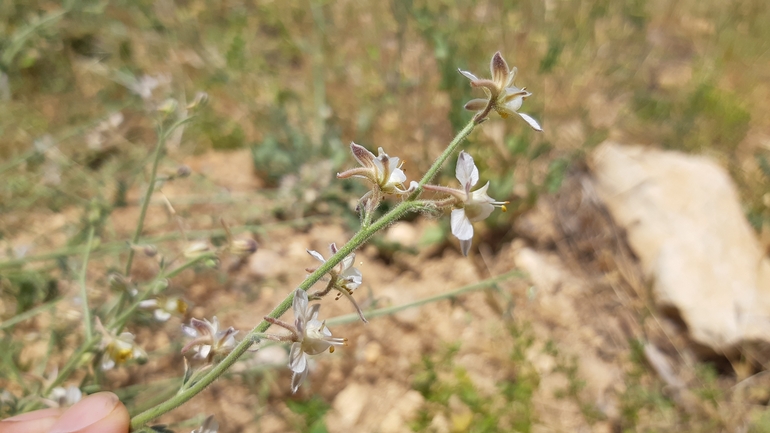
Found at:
(98, 413)
(39, 421)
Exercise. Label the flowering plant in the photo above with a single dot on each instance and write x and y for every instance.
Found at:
(310, 336)
(211, 349)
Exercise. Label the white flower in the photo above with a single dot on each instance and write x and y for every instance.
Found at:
(65, 397)
(311, 337)
(165, 307)
(470, 206)
(146, 84)
(207, 339)
(118, 349)
(383, 171)
(345, 279)
(502, 95)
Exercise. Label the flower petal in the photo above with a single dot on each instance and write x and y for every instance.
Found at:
(297, 379)
(297, 358)
(161, 315)
(499, 69)
(107, 363)
(312, 312)
(461, 226)
(468, 75)
(465, 246)
(466, 171)
(532, 122)
(347, 262)
(476, 104)
(316, 255)
(189, 331)
(299, 304)
(362, 155)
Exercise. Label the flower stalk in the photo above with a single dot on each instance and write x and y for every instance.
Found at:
(410, 204)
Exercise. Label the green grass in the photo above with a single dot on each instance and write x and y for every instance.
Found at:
(439, 380)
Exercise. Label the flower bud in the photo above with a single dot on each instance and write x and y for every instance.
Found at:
(196, 249)
(183, 171)
(243, 247)
(200, 101)
(120, 283)
(147, 250)
(168, 107)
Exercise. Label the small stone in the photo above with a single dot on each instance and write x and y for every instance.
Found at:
(372, 352)
(350, 403)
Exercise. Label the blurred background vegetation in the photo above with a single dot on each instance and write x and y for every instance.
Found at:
(296, 82)
(292, 83)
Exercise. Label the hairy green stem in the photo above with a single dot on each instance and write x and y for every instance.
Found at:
(434, 169)
(83, 292)
(363, 235)
(359, 239)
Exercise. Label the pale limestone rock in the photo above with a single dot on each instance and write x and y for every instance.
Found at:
(685, 223)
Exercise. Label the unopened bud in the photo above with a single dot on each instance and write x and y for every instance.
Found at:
(147, 250)
(120, 283)
(183, 171)
(94, 215)
(201, 99)
(196, 249)
(243, 247)
(168, 106)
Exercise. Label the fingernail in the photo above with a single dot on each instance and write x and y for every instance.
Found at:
(31, 416)
(91, 409)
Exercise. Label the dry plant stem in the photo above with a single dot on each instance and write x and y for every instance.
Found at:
(363, 235)
(147, 196)
(89, 326)
(72, 363)
(78, 359)
(121, 320)
(163, 134)
(29, 314)
(491, 282)
(120, 245)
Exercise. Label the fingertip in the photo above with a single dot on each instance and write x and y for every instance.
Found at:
(116, 422)
(39, 421)
(101, 412)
